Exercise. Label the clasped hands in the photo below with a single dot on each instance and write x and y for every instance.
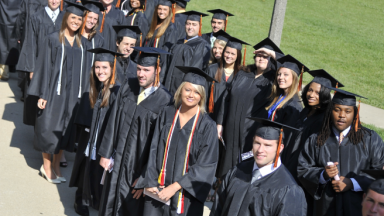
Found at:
(342, 185)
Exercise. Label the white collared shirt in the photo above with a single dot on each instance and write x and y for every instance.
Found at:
(50, 12)
(192, 38)
(337, 133)
(148, 91)
(266, 170)
(212, 39)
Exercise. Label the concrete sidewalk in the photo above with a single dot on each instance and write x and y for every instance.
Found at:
(22, 190)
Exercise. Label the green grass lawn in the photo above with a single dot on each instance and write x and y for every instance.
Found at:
(343, 37)
(379, 131)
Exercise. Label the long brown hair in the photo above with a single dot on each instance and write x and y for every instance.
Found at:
(163, 26)
(237, 66)
(64, 26)
(276, 91)
(213, 60)
(95, 85)
(94, 29)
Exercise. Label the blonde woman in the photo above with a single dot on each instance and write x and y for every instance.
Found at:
(217, 51)
(184, 151)
(57, 82)
(286, 105)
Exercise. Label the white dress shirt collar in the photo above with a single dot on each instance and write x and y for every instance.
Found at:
(268, 169)
(337, 133)
(149, 91)
(50, 12)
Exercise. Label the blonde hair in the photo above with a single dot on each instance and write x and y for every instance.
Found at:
(163, 26)
(276, 91)
(200, 89)
(64, 26)
(213, 60)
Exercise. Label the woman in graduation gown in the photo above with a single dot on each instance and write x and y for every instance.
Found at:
(136, 17)
(246, 96)
(162, 32)
(217, 51)
(57, 82)
(87, 172)
(286, 106)
(148, 7)
(184, 152)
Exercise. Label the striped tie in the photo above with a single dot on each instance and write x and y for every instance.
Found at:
(341, 138)
(141, 97)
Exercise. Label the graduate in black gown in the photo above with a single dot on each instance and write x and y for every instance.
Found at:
(261, 186)
(128, 135)
(219, 22)
(113, 12)
(180, 17)
(148, 7)
(286, 105)
(373, 198)
(136, 17)
(57, 83)
(128, 37)
(338, 189)
(162, 32)
(224, 72)
(87, 172)
(192, 51)
(39, 25)
(184, 152)
(247, 96)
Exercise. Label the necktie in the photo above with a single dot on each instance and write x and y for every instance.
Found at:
(141, 97)
(53, 17)
(255, 175)
(341, 137)
(185, 41)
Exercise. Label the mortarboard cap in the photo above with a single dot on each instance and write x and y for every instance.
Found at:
(127, 31)
(323, 78)
(76, 9)
(377, 174)
(290, 62)
(194, 15)
(222, 15)
(182, 3)
(222, 35)
(236, 43)
(377, 186)
(165, 3)
(93, 6)
(195, 75)
(268, 44)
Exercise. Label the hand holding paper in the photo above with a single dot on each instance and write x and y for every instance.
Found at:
(331, 170)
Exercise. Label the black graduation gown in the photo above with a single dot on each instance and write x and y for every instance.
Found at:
(219, 89)
(276, 194)
(352, 159)
(129, 72)
(87, 173)
(138, 19)
(194, 53)
(167, 40)
(54, 124)
(246, 97)
(116, 14)
(288, 115)
(148, 11)
(203, 157)
(109, 34)
(180, 20)
(129, 132)
(207, 37)
(9, 52)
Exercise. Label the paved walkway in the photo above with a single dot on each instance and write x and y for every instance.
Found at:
(22, 190)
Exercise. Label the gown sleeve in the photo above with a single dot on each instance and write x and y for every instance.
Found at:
(221, 195)
(200, 175)
(28, 52)
(293, 203)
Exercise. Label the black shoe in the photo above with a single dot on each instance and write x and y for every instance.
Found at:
(81, 210)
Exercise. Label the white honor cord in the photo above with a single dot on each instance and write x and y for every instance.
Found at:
(61, 69)
(122, 4)
(81, 70)
(93, 54)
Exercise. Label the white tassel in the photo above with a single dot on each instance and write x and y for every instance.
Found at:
(87, 151)
(93, 155)
(81, 70)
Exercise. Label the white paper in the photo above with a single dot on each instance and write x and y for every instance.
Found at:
(246, 155)
(337, 178)
(156, 197)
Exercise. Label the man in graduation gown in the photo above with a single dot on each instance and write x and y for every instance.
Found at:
(43, 22)
(373, 198)
(218, 22)
(192, 51)
(338, 189)
(126, 40)
(128, 135)
(180, 17)
(261, 186)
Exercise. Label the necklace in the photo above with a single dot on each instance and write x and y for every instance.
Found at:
(228, 72)
(70, 41)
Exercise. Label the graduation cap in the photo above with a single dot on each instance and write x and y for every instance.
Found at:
(323, 78)
(271, 130)
(343, 97)
(150, 56)
(196, 16)
(76, 9)
(299, 68)
(195, 75)
(222, 35)
(109, 56)
(238, 44)
(182, 3)
(92, 6)
(221, 15)
(268, 44)
(128, 31)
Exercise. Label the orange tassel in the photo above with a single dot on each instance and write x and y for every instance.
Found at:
(118, 4)
(245, 54)
(113, 72)
(226, 23)
(62, 5)
(173, 12)
(157, 79)
(301, 79)
(201, 23)
(278, 148)
(85, 21)
(145, 5)
(337, 85)
(102, 23)
(211, 102)
(357, 118)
